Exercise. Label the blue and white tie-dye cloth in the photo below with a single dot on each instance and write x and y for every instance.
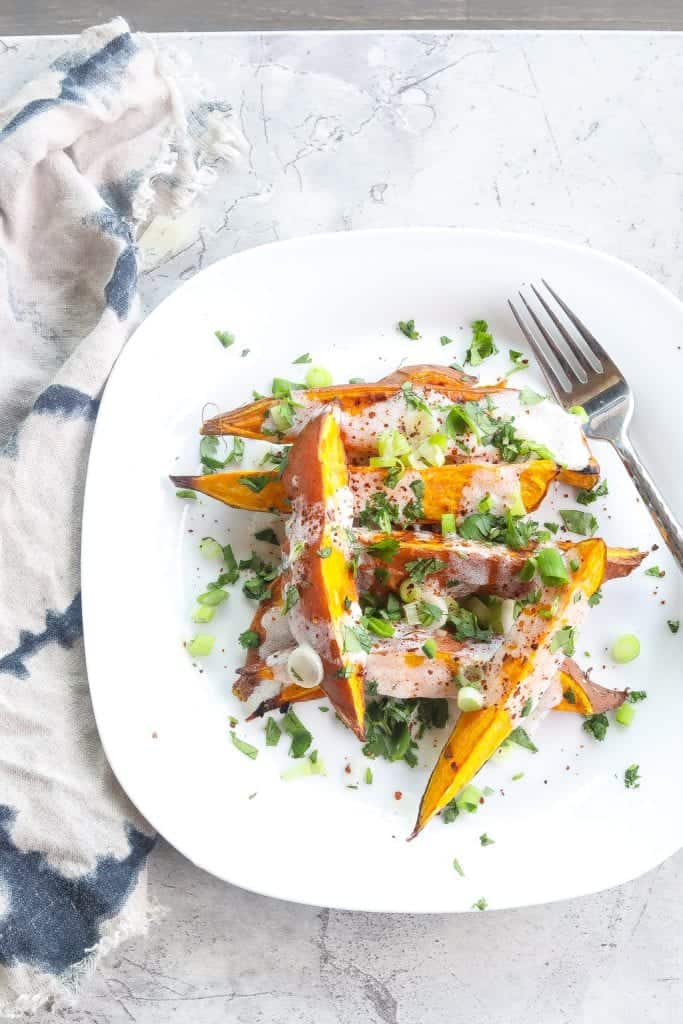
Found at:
(89, 154)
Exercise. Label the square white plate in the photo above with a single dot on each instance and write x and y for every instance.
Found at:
(570, 826)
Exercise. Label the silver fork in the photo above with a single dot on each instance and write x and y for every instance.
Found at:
(580, 373)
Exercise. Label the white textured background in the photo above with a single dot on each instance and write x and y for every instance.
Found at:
(572, 135)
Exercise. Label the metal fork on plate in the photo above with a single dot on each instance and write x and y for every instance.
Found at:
(580, 373)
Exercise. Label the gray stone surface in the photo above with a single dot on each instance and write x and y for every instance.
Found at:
(577, 136)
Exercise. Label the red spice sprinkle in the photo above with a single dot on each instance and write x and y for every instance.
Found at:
(155, 735)
(347, 769)
(398, 794)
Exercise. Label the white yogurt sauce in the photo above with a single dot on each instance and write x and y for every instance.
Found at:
(500, 482)
(546, 423)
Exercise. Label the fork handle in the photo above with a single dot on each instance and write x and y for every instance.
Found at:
(654, 500)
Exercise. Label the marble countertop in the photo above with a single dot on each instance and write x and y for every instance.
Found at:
(572, 135)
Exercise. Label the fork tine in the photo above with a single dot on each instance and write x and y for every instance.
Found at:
(580, 363)
(565, 376)
(549, 372)
(591, 342)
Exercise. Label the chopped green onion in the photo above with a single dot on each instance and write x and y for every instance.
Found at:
(429, 648)
(225, 337)
(303, 769)
(448, 523)
(469, 799)
(528, 705)
(578, 410)
(440, 440)
(185, 493)
(625, 648)
(305, 358)
(521, 738)
(486, 503)
(244, 747)
(409, 591)
(368, 776)
(470, 699)
(517, 776)
(625, 714)
(203, 613)
(458, 868)
(318, 377)
(551, 567)
(210, 548)
(201, 645)
(213, 597)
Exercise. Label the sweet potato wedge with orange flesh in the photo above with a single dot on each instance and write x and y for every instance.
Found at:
(476, 566)
(324, 610)
(579, 693)
(456, 488)
(233, 489)
(521, 670)
(353, 399)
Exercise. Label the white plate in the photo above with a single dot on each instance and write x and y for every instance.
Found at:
(569, 826)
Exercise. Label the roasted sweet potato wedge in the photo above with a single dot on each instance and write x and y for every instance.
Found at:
(368, 409)
(454, 488)
(469, 567)
(579, 693)
(320, 594)
(520, 671)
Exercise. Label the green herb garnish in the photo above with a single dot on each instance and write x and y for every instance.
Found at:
(588, 497)
(597, 725)
(407, 327)
(225, 337)
(632, 777)
(249, 638)
(244, 747)
(582, 523)
(482, 345)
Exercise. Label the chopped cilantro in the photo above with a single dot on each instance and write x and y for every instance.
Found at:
(569, 696)
(528, 705)
(481, 904)
(256, 482)
(413, 400)
(529, 397)
(324, 552)
(298, 733)
(564, 640)
(384, 549)
(632, 777)
(595, 598)
(597, 725)
(457, 867)
(305, 358)
(249, 638)
(268, 535)
(185, 493)
(521, 738)
(273, 733)
(635, 696)
(482, 344)
(445, 340)
(391, 723)
(582, 523)
(654, 570)
(407, 327)
(486, 840)
(291, 597)
(381, 512)
(419, 568)
(588, 497)
(357, 638)
(450, 811)
(518, 361)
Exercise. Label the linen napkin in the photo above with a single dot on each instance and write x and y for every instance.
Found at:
(109, 137)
